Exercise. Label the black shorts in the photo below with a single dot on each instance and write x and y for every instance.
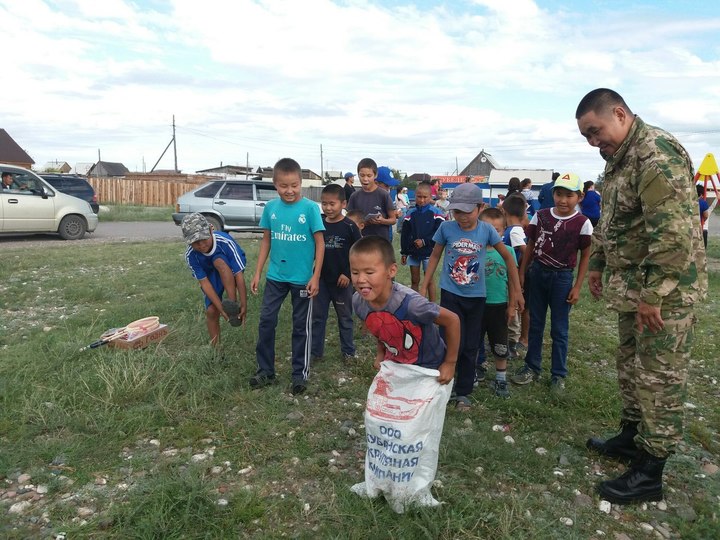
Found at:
(495, 326)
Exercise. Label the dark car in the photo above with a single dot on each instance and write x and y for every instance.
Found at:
(75, 185)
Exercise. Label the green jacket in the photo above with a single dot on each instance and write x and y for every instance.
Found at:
(649, 238)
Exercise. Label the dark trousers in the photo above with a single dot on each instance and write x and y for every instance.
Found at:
(470, 311)
(549, 288)
(273, 297)
(341, 298)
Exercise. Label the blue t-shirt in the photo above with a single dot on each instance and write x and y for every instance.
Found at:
(704, 206)
(545, 198)
(590, 205)
(463, 268)
(292, 246)
(224, 247)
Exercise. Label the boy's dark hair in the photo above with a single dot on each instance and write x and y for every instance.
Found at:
(367, 163)
(514, 184)
(492, 213)
(700, 189)
(515, 205)
(359, 214)
(424, 185)
(555, 176)
(287, 165)
(587, 185)
(600, 100)
(334, 189)
(375, 244)
(525, 183)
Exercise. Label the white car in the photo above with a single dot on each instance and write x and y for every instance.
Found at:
(28, 204)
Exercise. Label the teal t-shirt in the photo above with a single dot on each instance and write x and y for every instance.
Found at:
(292, 246)
(496, 277)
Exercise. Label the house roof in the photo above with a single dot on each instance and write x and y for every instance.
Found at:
(108, 168)
(10, 151)
(63, 166)
(419, 177)
(482, 158)
(538, 176)
(306, 174)
(228, 169)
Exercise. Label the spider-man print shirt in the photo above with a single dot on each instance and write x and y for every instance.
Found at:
(463, 267)
(405, 326)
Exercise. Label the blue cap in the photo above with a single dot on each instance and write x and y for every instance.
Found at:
(349, 175)
(384, 176)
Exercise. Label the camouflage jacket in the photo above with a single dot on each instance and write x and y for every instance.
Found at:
(649, 237)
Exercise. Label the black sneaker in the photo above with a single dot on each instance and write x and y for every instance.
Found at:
(232, 310)
(480, 374)
(298, 387)
(525, 376)
(501, 389)
(259, 380)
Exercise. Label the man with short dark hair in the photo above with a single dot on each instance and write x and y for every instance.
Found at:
(650, 246)
(545, 197)
(348, 187)
(7, 180)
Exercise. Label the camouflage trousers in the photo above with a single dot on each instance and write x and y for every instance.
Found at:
(652, 374)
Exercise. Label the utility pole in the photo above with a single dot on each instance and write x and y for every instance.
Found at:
(247, 165)
(175, 144)
(322, 174)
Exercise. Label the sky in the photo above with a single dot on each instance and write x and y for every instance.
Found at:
(420, 86)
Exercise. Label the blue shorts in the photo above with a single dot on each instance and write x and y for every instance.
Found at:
(414, 261)
(217, 285)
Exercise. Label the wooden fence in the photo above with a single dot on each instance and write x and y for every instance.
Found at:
(144, 189)
(157, 190)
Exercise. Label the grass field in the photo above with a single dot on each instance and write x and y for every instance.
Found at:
(169, 442)
(127, 212)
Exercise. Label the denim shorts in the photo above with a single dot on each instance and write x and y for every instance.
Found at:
(414, 261)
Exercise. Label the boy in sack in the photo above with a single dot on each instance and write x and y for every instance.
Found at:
(416, 243)
(407, 399)
(334, 286)
(218, 263)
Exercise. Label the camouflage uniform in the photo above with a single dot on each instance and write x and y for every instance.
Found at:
(649, 242)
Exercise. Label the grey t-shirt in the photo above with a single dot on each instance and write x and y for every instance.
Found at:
(373, 202)
(406, 326)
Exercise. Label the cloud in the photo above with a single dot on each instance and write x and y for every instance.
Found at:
(417, 85)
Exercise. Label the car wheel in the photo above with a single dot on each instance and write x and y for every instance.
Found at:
(215, 222)
(72, 228)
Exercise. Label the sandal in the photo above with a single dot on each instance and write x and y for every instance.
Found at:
(462, 404)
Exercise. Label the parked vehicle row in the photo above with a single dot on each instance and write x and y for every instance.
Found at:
(30, 204)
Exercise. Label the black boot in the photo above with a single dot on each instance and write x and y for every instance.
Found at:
(621, 447)
(641, 482)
